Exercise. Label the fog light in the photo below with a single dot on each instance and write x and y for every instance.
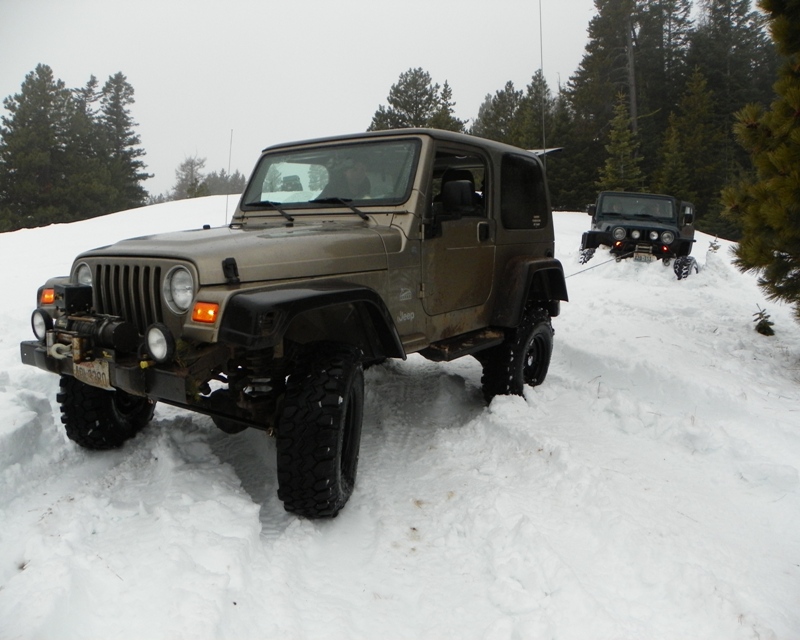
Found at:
(618, 233)
(654, 235)
(41, 323)
(159, 343)
(636, 234)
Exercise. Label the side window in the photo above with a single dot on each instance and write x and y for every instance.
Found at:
(523, 203)
(467, 198)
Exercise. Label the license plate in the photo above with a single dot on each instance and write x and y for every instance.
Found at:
(644, 257)
(94, 373)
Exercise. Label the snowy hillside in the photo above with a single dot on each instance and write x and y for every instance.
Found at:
(649, 489)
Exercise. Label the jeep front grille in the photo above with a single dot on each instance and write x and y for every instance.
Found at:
(132, 292)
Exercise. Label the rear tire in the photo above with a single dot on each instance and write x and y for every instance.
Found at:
(98, 419)
(319, 431)
(523, 359)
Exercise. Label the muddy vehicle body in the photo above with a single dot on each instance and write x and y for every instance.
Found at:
(341, 253)
(647, 227)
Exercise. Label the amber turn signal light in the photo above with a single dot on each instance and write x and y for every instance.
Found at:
(205, 312)
(48, 296)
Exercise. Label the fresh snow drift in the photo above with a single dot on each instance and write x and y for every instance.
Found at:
(648, 489)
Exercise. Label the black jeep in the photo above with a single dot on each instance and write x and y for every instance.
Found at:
(645, 226)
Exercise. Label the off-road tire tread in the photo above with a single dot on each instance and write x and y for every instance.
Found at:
(684, 265)
(98, 419)
(503, 365)
(315, 478)
(585, 256)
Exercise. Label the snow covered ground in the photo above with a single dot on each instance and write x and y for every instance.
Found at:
(649, 489)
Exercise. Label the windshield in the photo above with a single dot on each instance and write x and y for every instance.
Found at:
(366, 173)
(636, 206)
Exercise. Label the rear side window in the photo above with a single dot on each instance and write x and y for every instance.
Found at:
(523, 204)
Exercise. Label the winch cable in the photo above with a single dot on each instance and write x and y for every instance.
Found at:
(614, 259)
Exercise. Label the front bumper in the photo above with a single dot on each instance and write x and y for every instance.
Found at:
(629, 247)
(107, 372)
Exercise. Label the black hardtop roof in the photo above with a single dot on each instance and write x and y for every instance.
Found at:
(438, 134)
(635, 194)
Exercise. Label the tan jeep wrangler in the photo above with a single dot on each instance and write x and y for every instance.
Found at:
(342, 252)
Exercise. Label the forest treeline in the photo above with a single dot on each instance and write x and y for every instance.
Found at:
(651, 106)
(72, 154)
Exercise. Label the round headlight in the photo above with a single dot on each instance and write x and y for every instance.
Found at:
(179, 289)
(668, 237)
(83, 274)
(159, 343)
(636, 234)
(41, 322)
(618, 233)
(654, 235)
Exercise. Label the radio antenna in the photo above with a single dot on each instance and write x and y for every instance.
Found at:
(230, 153)
(544, 93)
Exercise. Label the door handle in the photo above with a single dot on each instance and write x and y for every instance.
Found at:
(483, 231)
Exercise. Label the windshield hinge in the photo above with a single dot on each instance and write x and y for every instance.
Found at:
(421, 293)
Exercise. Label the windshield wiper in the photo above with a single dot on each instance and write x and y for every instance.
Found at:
(275, 206)
(344, 202)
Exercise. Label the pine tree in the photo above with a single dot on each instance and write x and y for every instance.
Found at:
(415, 101)
(189, 179)
(768, 205)
(444, 117)
(662, 47)
(621, 171)
(701, 144)
(731, 47)
(33, 148)
(220, 184)
(122, 144)
(604, 70)
(497, 116)
(534, 114)
(673, 176)
(90, 191)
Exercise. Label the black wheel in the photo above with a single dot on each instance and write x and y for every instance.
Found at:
(684, 265)
(319, 431)
(99, 419)
(586, 255)
(523, 359)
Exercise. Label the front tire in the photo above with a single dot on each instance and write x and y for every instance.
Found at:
(98, 419)
(585, 255)
(684, 266)
(319, 432)
(523, 359)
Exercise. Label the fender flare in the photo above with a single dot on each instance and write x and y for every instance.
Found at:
(260, 319)
(592, 239)
(525, 279)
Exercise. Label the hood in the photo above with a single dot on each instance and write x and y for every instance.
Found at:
(268, 253)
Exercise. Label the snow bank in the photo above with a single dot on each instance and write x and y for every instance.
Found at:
(649, 489)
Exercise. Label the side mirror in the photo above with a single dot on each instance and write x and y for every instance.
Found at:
(591, 209)
(688, 212)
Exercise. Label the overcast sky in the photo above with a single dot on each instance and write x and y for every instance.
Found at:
(279, 71)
